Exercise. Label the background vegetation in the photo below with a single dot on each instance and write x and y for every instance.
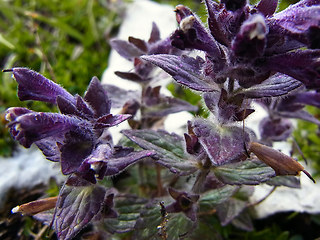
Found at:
(67, 41)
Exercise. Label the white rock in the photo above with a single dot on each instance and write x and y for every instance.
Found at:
(27, 168)
(138, 23)
(284, 199)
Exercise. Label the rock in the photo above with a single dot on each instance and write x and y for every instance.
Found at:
(26, 169)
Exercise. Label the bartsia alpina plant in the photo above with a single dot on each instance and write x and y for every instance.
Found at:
(250, 54)
(78, 138)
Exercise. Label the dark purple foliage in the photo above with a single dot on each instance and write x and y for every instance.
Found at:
(246, 52)
(223, 145)
(75, 134)
(276, 129)
(34, 86)
(250, 55)
(185, 70)
(78, 206)
(78, 138)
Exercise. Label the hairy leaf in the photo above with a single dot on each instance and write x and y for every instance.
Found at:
(179, 226)
(213, 198)
(76, 207)
(228, 210)
(251, 172)
(169, 149)
(277, 85)
(185, 70)
(167, 106)
(126, 49)
(152, 224)
(149, 220)
(129, 211)
(288, 181)
(223, 145)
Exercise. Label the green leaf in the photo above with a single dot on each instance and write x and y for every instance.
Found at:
(283, 236)
(169, 148)
(288, 181)
(152, 223)
(250, 172)
(229, 210)
(211, 199)
(150, 219)
(128, 208)
(243, 221)
(5, 42)
(178, 226)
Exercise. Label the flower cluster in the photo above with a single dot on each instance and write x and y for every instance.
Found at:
(250, 54)
(77, 137)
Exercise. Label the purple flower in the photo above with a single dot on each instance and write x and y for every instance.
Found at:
(250, 39)
(78, 136)
(28, 127)
(34, 86)
(251, 50)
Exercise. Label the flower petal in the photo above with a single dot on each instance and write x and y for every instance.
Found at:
(295, 20)
(250, 42)
(193, 34)
(31, 127)
(97, 98)
(34, 86)
(303, 65)
(267, 7)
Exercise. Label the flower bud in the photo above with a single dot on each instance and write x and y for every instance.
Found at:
(37, 206)
(280, 162)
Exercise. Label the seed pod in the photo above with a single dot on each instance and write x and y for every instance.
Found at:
(34, 207)
(280, 162)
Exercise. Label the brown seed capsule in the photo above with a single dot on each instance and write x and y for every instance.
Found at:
(280, 162)
(34, 207)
